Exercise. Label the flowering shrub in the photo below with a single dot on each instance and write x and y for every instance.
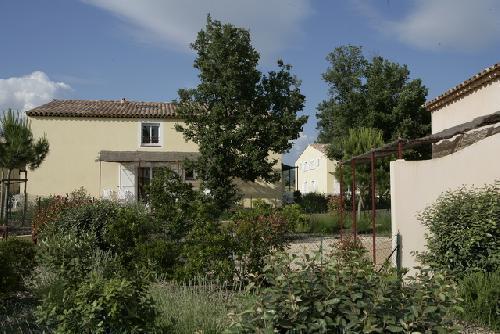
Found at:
(50, 209)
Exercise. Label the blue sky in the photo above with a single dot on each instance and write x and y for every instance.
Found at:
(109, 49)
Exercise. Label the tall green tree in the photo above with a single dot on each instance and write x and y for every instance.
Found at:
(237, 115)
(373, 93)
(359, 141)
(18, 148)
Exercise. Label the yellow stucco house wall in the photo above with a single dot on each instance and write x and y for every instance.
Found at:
(101, 146)
(315, 171)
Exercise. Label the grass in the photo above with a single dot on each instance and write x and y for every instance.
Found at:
(327, 223)
(480, 293)
(17, 315)
(196, 307)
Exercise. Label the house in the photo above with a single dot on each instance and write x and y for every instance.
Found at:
(315, 171)
(471, 110)
(113, 149)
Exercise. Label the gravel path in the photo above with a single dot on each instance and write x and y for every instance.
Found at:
(383, 246)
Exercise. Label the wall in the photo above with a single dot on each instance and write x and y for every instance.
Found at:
(321, 175)
(417, 184)
(76, 142)
(483, 101)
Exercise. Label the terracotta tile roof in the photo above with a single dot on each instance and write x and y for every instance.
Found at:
(104, 109)
(321, 147)
(484, 77)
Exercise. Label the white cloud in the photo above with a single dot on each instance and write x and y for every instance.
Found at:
(274, 24)
(26, 92)
(457, 25)
(299, 145)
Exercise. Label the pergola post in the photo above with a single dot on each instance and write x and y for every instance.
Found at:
(341, 181)
(353, 191)
(374, 209)
(400, 149)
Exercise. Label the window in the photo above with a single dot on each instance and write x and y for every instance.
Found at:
(150, 134)
(317, 162)
(304, 187)
(189, 174)
(306, 167)
(313, 186)
(311, 164)
(146, 174)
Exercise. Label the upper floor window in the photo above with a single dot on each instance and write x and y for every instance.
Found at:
(317, 162)
(150, 134)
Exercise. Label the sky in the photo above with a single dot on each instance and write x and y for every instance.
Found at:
(139, 50)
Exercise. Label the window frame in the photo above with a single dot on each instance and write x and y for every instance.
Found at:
(194, 178)
(151, 124)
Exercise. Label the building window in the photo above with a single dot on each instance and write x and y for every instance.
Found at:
(146, 174)
(189, 174)
(311, 164)
(304, 187)
(317, 162)
(150, 134)
(313, 186)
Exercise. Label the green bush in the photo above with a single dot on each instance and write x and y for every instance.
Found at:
(257, 232)
(94, 263)
(175, 205)
(105, 298)
(313, 203)
(236, 248)
(17, 261)
(464, 231)
(208, 251)
(346, 295)
(481, 298)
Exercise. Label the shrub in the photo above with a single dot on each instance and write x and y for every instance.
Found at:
(481, 298)
(175, 205)
(50, 209)
(257, 232)
(313, 203)
(17, 261)
(294, 215)
(464, 231)
(208, 251)
(103, 299)
(345, 295)
(236, 248)
(94, 269)
(335, 204)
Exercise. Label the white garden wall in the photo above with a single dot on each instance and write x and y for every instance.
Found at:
(417, 184)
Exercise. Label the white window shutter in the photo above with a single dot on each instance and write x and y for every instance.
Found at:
(127, 187)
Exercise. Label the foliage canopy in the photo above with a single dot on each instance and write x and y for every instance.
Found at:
(375, 93)
(236, 114)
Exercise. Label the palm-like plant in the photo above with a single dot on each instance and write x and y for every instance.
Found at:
(18, 148)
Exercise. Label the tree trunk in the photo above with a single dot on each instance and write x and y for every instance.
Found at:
(360, 204)
(7, 204)
(2, 199)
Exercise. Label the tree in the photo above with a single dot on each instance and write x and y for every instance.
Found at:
(18, 148)
(359, 141)
(236, 114)
(374, 93)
